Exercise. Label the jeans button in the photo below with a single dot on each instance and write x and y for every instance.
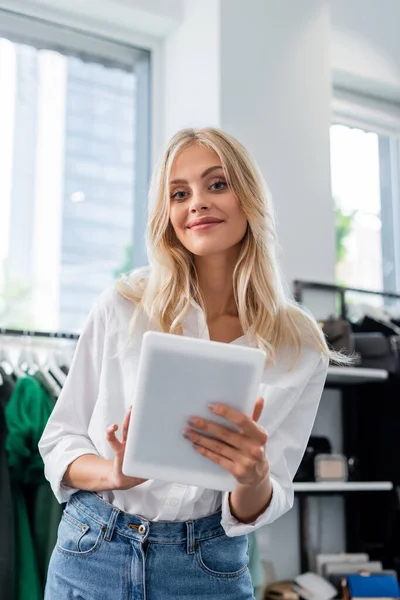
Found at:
(142, 529)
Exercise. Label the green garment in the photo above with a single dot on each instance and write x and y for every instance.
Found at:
(255, 565)
(37, 512)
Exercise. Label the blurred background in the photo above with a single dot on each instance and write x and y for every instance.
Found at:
(90, 92)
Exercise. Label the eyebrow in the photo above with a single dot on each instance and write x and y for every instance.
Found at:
(206, 172)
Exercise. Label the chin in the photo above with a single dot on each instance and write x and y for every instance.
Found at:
(212, 249)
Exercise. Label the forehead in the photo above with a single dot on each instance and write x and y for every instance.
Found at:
(193, 161)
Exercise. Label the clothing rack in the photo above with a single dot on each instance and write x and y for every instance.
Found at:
(29, 333)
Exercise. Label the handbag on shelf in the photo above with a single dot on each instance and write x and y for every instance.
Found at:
(378, 351)
(330, 467)
(339, 335)
(378, 343)
(316, 445)
(370, 325)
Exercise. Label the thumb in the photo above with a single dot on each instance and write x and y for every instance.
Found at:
(258, 408)
(112, 438)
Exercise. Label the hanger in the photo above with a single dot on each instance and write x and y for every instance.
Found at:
(53, 364)
(30, 363)
(6, 359)
(53, 384)
(27, 360)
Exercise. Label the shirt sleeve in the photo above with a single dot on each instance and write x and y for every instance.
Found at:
(285, 449)
(65, 437)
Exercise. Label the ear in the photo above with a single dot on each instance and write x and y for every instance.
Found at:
(258, 408)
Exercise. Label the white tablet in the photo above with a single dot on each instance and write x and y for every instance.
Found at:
(179, 376)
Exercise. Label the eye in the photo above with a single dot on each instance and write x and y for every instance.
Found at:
(179, 195)
(219, 186)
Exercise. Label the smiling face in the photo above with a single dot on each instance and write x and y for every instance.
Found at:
(204, 212)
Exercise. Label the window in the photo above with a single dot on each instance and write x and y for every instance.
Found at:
(365, 188)
(73, 169)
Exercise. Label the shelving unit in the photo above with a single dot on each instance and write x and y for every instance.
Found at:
(342, 487)
(305, 490)
(337, 378)
(343, 379)
(354, 375)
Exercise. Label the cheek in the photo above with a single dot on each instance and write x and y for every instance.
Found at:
(177, 221)
(174, 218)
(239, 218)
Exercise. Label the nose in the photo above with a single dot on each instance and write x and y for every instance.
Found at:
(198, 203)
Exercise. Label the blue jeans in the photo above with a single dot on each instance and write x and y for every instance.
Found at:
(104, 553)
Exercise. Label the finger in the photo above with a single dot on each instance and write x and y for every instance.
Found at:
(242, 471)
(125, 425)
(216, 458)
(227, 435)
(112, 438)
(219, 447)
(246, 424)
(258, 409)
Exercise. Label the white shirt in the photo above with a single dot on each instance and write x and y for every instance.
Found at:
(98, 392)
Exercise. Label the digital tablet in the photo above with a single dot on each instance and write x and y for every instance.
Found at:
(177, 377)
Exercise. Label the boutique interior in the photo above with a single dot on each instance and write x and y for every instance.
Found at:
(90, 95)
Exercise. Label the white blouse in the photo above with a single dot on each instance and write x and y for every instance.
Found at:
(99, 390)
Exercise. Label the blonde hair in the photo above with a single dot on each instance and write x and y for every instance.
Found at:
(267, 312)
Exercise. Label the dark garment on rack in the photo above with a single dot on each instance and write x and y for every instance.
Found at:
(37, 512)
(6, 506)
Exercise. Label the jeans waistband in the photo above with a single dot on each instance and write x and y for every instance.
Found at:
(137, 527)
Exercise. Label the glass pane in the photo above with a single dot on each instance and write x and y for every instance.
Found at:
(355, 173)
(66, 184)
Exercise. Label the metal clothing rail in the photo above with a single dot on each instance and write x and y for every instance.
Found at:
(29, 333)
(300, 286)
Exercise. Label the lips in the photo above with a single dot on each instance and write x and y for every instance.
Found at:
(204, 221)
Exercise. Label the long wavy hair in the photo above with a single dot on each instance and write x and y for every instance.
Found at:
(267, 311)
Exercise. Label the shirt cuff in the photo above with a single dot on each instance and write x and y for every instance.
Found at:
(281, 502)
(66, 452)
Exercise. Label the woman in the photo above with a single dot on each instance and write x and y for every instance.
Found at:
(213, 274)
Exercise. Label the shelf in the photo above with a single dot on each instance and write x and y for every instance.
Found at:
(351, 375)
(344, 486)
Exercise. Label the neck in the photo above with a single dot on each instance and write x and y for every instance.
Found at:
(215, 276)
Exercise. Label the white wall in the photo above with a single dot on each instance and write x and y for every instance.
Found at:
(365, 51)
(275, 97)
(192, 69)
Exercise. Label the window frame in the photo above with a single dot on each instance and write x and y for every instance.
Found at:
(91, 45)
(382, 117)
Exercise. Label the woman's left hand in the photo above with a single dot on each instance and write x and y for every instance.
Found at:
(242, 452)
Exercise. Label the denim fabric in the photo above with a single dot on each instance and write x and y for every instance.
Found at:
(104, 553)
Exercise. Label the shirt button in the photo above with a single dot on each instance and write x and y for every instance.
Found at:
(173, 502)
(142, 529)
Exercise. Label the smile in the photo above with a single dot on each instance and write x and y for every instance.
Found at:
(204, 226)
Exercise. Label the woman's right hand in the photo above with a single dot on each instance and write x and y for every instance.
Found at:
(119, 481)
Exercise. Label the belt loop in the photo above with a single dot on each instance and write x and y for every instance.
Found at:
(111, 524)
(190, 537)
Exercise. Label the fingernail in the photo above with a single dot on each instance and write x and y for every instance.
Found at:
(186, 434)
(192, 420)
(212, 406)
